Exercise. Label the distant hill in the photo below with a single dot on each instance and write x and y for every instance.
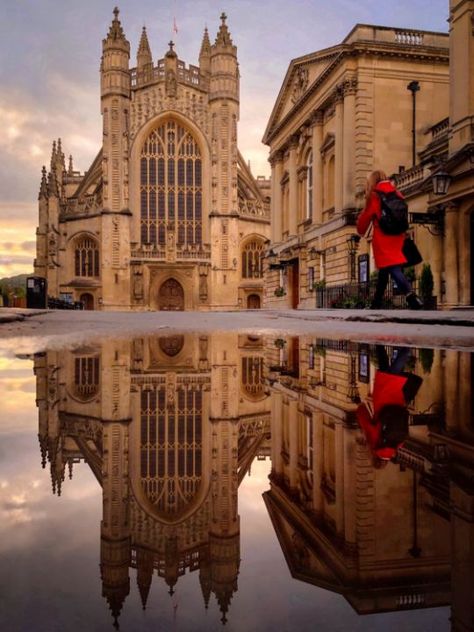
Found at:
(18, 280)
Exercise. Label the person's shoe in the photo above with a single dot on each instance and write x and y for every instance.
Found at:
(414, 301)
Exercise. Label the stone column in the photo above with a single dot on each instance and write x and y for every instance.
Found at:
(451, 270)
(350, 526)
(317, 141)
(277, 202)
(339, 151)
(464, 256)
(293, 441)
(293, 184)
(339, 461)
(451, 389)
(277, 432)
(318, 461)
(348, 142)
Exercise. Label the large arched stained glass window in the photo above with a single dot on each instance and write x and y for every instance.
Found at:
(171, 186)
(171, 447)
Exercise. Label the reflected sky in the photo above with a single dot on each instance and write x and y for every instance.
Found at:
(50, 547)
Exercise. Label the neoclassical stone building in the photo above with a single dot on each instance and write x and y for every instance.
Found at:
(447, 241)
(169, 427)
(342, 112)
(168, 216)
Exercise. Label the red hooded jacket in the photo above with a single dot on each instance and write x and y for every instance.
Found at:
(388, 391)
(387, 248)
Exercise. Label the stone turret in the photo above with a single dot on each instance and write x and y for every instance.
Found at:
(224, 105)
(115, 105)
(115, 61)
(224, 66)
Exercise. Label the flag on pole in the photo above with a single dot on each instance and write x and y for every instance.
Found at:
(175, 26)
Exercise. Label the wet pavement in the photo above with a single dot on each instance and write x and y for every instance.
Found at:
(191, 481)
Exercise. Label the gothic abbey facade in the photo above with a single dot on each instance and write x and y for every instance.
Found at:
(168, 216)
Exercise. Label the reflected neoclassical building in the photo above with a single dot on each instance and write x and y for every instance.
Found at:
(386, 538)
(169, 426)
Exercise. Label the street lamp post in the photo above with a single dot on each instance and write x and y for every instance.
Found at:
(414, 87)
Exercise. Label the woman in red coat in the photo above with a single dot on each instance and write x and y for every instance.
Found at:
(388, 253)
(384, 422)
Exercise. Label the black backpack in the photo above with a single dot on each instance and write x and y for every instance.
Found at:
(394, 218)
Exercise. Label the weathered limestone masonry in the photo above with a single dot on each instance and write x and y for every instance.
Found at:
(342, 112)
(168, 216)
(449, 247)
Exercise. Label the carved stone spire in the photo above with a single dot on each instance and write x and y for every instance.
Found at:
(52, 184)
(53, 155)
(43, 192)
(60, 158)
(115, 31)
(205, 54)
(144, 55)
(223, 36)
(70, 169)
(206, 44)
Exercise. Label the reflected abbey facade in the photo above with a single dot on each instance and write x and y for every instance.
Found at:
(169, 426)
(388, 535)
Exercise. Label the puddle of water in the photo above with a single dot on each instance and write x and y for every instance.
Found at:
(268, 483)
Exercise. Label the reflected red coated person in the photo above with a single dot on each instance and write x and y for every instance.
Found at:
(384, 417)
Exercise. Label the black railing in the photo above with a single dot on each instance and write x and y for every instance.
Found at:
(359, 296)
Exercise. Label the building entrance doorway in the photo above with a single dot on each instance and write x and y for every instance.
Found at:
(171, 296)
(87, 300)
(253, 301)
(294, 283)
(471, 249)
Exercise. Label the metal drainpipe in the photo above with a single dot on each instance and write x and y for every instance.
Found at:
(414, 87)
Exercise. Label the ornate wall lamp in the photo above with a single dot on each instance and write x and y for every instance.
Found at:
(352, 245)
(435, 217)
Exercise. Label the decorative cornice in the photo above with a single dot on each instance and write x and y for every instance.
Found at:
(426, 54)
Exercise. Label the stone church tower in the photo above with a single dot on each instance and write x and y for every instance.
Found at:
(168, 216)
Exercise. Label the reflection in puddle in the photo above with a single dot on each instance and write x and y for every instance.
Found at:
(371, 484)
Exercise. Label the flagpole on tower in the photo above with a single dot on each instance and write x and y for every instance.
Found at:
(174, 29)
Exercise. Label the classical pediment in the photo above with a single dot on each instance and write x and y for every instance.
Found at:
(302, 74)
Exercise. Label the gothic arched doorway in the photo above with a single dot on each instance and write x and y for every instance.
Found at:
(87, 300)
(171, 296)
(253, 301)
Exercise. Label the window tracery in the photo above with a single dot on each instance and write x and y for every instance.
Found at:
(86, 377)
(252, 262)
(252, 376)
(171, 447)
(86, 257)
(171, 186)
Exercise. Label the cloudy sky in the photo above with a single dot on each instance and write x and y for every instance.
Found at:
(49, 68)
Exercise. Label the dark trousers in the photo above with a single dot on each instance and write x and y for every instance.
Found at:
(397, 275)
